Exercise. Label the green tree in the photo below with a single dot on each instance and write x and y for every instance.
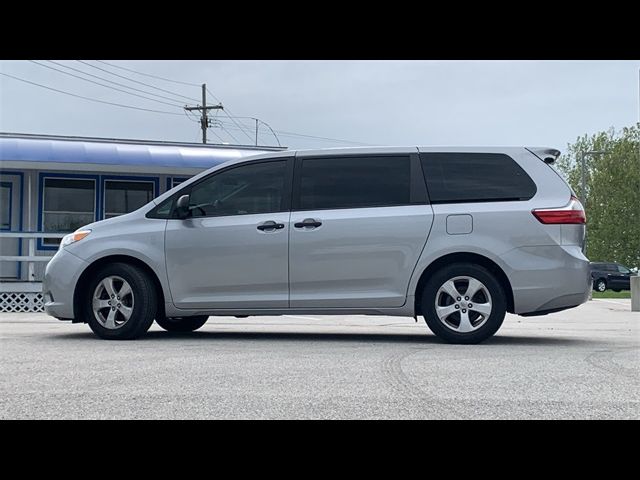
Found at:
(612, 196)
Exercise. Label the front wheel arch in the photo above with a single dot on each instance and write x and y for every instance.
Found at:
(83, 282)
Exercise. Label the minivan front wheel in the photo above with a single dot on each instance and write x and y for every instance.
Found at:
(120, 302)
(463, 303)
(181, 324)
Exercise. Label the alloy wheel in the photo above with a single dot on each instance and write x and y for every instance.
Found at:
(463, 304)
(113, 302)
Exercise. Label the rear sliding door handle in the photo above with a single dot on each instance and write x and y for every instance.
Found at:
(308, 222)
(270, 226)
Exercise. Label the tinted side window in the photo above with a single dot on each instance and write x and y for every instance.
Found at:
(475, 177)
(248, 189)
(353, 182)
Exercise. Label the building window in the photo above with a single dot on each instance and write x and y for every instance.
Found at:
(124, 196)
(5, 206)
(68, 204)
(175, 181)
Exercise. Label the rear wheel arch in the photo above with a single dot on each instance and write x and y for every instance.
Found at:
(83, 281)
(466, 257)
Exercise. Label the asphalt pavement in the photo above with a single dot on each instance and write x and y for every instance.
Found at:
(579, 364)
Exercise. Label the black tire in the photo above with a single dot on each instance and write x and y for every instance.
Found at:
(487, 327)
(600, 285)
(144, 305)
(181, 324)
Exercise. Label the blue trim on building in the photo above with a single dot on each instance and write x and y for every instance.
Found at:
(41, 178)
(21, 212)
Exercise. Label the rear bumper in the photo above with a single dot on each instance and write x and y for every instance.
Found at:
(59, 283)
(547, 278)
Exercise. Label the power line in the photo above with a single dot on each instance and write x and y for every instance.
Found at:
(136, 81)
(229, 114)
(228, 127)
(148, 74)
(87, 98)
(240, 127)
(211, 93)
(191, 118)
(238, 142)
(195, 120)
(235, 140)
(217, 136)
(103, 85)
(116, 83)
(293, 134)
(229, 133)
(243, 131)
(257, 120)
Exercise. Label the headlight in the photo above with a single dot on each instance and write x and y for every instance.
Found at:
(74, 237)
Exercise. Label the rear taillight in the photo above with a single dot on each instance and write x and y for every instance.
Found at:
(573, 213)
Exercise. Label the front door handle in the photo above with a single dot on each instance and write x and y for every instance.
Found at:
(270, 225)
(308, 222)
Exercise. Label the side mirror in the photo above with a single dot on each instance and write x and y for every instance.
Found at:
(182, 206)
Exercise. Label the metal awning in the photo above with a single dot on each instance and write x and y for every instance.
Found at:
(21, 151)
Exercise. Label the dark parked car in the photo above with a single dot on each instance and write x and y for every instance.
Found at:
(610, 275)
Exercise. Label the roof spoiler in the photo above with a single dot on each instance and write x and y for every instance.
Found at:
(547, 155)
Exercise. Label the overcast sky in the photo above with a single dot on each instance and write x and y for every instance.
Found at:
(542, 103)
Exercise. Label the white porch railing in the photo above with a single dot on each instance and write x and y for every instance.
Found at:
(31, 256)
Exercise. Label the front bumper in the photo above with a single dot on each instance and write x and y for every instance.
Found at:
(59, 284)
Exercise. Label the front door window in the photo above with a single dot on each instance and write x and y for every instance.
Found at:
(249, 189)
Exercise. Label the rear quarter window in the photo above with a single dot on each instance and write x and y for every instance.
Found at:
(475, 177)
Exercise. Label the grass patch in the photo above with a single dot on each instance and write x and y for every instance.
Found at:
(612, 294)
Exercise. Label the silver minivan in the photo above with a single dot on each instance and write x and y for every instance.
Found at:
(459, 236)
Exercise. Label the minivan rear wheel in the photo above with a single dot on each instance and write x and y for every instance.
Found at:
(120, 302)
(181, 324)
(463, 303)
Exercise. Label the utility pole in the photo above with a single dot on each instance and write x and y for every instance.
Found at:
(204, 119)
